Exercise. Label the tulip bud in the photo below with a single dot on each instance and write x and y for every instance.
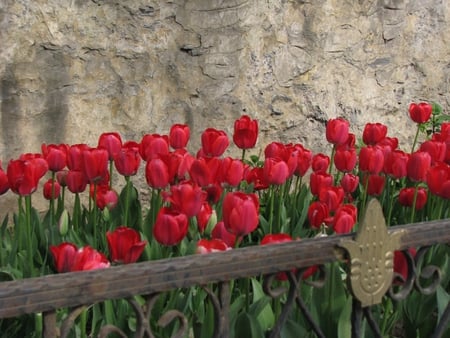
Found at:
(63, 224)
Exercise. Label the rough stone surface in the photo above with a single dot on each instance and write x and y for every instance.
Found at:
(72, 69)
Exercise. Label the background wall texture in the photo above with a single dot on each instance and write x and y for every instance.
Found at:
(72, 69)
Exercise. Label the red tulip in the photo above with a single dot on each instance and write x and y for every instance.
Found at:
(68, 258)
(317, 214)
(205, 246)
(105, 197)
(125, 245)
(245, 132)
(349, 182)
(345, 158)
(276, 150)
(401, 267)
(438, 180)
(275, 171)
(186, 197)
(55, 155)
(418, 165)
(4, 183)
(232, 171)
(395, 164)
(240, 213)
(337, 131)
(24, 175)
(255, 176)
(345, 218)
(214, 142)
(170, 227)
(153, 145)
(213, 193)
(320, 163)
(52, 189)
(374, 133)
(220, 232)
(204, 171)
(95, 164)
(391, 142)
(371, 159)
(333, 197)
(304, 159)
(436, 149)
(319, 180)
(179, 136)
(157, 173)
(75, 156)
(76, 181)
(203, 216)
(420, 113)
(406, 197)
(127, 161)
(111, 142)
(375, 185)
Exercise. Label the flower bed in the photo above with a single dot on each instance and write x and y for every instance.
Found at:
(206, 202)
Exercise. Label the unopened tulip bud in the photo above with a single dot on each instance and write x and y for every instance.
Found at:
(63, 224)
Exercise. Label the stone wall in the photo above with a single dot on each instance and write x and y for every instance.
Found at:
(72, 69)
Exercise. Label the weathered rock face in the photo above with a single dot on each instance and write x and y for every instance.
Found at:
(70, 70)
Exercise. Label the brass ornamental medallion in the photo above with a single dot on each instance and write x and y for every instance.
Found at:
(371, 256)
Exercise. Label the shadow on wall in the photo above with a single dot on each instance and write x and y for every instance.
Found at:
(34, 103)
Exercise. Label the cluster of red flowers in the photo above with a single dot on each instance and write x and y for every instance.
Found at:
(191, 185)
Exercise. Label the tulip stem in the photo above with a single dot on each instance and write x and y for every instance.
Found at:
(413, 211)
(29, 235)
(127, 200)
(272, 202)
(415, 138)
(110, 173)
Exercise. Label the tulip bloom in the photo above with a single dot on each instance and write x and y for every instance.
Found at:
(337, 131)
(125, 245)
(304, 159)
(395, 164)
(374, 133)
(203, 216)
(245, 132)
(214, 142)
(220, 232)
(255, 176)
(55, 155)
(204, 171)
(421, 112)
(95, 164)
(438, 180)
(333, 197)
(127, 161)
(349, 182)
(275, 171)
(76, 181)
(418, 165)
(105, 197)
(4, 183)
(153, 145)
(345, 218)
(436, 149)
(170, 227)
(179, 136)
(320, 163)
(205, 246)
(111, 142)
(317, 214)
(24, 175)
(371, 159)
(52, 189)
(157, 173)
(75, 156)
(319, 180)
(401, 267)
(345, 158)
(406, 197)
(375, 184)
(68, 258)
(232, 171)
(186, 197)
(240, 213)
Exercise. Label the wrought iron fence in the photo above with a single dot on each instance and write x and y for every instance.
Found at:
(369, 255)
